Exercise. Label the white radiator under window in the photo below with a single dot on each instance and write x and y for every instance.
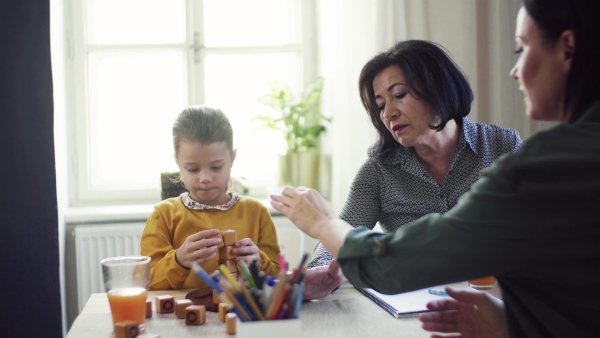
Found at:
(96, 242)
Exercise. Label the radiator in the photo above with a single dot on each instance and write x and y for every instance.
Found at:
(96, 242)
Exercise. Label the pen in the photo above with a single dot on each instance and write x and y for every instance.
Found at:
(234, 284)
(206, 277)
(282, 263)
(438, 292)
(247, 274)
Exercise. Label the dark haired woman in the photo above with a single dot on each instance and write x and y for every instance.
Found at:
(428, 153)
(531, 221)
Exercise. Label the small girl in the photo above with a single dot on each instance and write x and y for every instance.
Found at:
(182, 230)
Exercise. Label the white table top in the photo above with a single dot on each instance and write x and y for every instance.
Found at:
(344, 313)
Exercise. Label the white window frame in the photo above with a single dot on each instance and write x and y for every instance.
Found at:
(80, 194)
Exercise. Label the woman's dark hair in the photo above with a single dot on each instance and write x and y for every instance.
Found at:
(430, 75)
(553, 17)
(202, 124)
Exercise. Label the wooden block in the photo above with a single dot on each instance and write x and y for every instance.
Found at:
(229, 237)
(127, 329)
(195, 315)
(221, 243)
(165, 304)
(223, 309)
(230, 320)
(231, 265)
(148, 308)
(216, 297)
(180, 306)
(226, 254)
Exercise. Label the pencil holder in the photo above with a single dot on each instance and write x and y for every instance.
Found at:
(289, 328)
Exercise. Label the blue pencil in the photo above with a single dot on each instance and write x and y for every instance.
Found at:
(206, 277)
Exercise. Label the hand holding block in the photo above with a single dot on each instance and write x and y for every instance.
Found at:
(180, 306)
(195, 315)
(126, 329)
(165, 304)
(229, 237)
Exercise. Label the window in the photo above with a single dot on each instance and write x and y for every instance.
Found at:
(138, 63)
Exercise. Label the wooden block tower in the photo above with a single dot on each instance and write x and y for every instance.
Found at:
(226, 257)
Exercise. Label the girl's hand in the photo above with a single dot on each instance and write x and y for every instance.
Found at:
(200, 247)
(246, 249)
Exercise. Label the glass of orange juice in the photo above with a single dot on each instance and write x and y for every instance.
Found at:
(483, 283)
(126, 281)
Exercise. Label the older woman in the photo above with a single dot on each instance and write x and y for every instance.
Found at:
(428, 153)
(531, 220)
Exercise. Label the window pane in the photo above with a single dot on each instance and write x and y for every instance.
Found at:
(135, 21)
(252, 23)
(134, 98)
(234, 83)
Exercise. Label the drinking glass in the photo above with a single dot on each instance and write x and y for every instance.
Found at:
(483, 283)
(126, 281)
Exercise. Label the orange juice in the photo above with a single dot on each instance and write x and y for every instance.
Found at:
(128, 304)
(483, 283)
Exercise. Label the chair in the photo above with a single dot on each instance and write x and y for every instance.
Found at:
(291, 242)
(169, 185)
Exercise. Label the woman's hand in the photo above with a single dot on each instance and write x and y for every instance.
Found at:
(303, 206)
(320, 281)
(469, 313)
(247, 250)
(200, 247)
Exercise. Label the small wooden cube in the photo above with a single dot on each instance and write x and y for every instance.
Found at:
(180, 306)
(221, 243)
(165, 304)
(148, 308)
(127, 329)
(229, 237)
(195, 315)
(223, 309)
(230, 321)
(226, 254)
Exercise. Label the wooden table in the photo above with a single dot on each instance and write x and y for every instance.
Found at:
(344, 313)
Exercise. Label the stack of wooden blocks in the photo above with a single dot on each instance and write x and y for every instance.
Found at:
(226, 256)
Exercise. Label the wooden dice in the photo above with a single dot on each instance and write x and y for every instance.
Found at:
(165, 304)
(180, 306)
(148, 308)
(195, 315)
(126, 329)
(223, 310)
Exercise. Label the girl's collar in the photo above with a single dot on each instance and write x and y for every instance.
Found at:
(192, 204)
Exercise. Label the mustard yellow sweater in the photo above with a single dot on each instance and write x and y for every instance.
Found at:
(172, 222)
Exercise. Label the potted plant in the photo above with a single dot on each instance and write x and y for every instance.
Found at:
(300, 123)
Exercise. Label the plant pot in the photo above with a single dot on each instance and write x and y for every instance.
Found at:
(300, 169)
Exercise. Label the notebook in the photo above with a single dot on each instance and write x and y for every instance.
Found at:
(404, 304)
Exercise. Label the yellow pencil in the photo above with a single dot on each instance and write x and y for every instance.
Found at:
(234, 284)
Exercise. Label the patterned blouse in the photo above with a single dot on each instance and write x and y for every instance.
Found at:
(397, 190)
